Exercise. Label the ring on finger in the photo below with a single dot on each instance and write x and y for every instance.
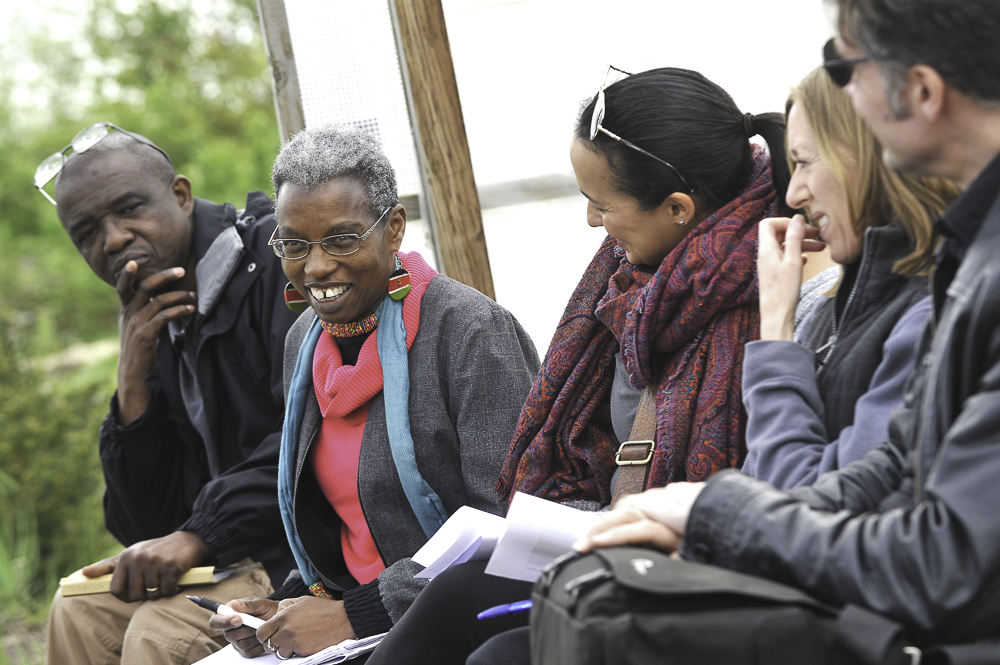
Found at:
(270, 646)
(152, 589)
(277, 654)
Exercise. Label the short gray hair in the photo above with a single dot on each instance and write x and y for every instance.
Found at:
(320, 154)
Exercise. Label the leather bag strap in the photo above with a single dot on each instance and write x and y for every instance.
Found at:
(634, 456)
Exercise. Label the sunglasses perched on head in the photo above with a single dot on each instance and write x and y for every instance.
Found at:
(840, 69)
(86, 139)
(598, 117)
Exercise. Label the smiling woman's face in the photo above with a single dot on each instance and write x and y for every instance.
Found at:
(340, 289)
(815, 188)
(647, 236)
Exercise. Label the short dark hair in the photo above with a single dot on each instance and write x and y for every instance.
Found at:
(681, 117)
(151, 161)
(958, 38)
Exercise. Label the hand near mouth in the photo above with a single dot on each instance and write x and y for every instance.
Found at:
(780, 248)
(144, 313)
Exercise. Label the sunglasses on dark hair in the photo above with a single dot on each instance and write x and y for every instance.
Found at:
(840, 69)
(598, 117)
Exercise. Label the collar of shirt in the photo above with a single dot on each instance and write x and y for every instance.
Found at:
(961, 221)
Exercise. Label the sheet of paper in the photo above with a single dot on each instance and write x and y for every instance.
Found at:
(538, 531)
(338, 653)
(468, 535)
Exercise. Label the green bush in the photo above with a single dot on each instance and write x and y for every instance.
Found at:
(51, 515)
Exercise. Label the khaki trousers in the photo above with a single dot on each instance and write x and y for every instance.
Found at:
(99, 629)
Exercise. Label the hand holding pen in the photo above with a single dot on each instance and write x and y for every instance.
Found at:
(227, 611)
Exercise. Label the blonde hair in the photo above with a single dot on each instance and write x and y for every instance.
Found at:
(847, 144)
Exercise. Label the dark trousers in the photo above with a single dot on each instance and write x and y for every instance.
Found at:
(510, 648)
(441, 627)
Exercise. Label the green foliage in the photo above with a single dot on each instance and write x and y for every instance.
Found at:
(19, 552)
(51, 519)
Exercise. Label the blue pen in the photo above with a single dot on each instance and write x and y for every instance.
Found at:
(504, 610)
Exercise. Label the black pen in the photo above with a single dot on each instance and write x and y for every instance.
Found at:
(219, 608)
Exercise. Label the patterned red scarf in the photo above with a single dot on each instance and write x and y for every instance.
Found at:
(681, 328)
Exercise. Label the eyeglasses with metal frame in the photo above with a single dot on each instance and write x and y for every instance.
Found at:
(342, 244)
(598, 117)
(85, 139)
(840, 69)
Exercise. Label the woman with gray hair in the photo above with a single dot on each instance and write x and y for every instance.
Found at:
(402, 388)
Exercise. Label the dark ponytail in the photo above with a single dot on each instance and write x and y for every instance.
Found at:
(771, 128)
(685, 119)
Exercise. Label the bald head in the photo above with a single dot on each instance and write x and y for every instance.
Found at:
(117, 146)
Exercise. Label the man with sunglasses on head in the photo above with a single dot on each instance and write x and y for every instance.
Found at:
(190, 447)
(912, 530)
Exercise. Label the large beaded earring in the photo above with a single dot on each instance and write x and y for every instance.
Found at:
(399, 281)
(295, 300)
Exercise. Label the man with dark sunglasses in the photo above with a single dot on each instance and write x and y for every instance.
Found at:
(190, 447)
(912, 530)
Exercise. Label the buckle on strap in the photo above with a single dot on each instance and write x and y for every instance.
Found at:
(915, 655)
(618, 456)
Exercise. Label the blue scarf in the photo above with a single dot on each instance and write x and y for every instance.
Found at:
(392, 353)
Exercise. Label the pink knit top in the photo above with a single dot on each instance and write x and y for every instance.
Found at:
(345, 394)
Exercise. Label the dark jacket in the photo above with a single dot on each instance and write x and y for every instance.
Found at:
(848, 332)
(213, 471)
(912, 530)
(471, 366)
(860, 347)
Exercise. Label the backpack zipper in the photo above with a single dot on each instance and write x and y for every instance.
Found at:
(584, 582)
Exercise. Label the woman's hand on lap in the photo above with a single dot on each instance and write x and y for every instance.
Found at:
(306, 625)
(244, 638)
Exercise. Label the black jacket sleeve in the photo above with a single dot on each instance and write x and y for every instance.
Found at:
(236, 513)
(931, 565)
(144, 464)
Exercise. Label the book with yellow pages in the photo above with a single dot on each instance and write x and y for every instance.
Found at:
(77, 584)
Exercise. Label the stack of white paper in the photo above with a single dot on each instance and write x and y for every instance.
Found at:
(538, 532)
(468, 535)
(534, 533)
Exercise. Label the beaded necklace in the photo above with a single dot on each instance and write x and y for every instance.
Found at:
(352, 329)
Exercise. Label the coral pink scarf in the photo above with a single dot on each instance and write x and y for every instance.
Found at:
(344, 393)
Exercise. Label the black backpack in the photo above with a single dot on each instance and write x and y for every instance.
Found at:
(632, 606)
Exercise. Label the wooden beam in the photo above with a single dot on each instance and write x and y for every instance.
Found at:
(442, 147)
(281, 59)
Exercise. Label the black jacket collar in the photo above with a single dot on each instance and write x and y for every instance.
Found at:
(961, 221)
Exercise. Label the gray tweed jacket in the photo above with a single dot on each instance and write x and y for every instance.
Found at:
(471, 366)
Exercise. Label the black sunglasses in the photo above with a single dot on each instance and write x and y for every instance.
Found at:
(840, 69)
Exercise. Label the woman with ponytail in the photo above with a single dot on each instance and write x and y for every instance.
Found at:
(665, 308)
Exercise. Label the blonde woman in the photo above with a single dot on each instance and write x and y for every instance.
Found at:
(819, 405)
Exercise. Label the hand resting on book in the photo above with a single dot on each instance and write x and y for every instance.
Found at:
(150, 569)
